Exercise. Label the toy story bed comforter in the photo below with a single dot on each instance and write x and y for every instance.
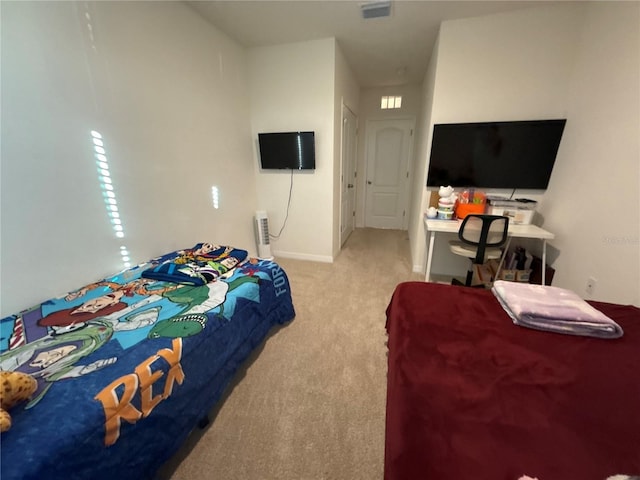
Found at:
(128, 366)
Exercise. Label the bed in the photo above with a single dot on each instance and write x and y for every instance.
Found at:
(127, 367)
(471, 395)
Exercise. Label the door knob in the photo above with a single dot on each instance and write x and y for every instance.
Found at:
(369, 182)
(350, 185)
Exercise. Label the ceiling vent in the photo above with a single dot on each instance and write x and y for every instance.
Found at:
(376, 9)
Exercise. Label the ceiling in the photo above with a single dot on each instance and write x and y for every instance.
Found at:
(381, 51)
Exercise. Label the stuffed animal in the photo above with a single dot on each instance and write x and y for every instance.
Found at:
(15, 387)
(447, 197)
(445, 192)
(446, 202)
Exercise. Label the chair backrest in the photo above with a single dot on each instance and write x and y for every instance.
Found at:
(483, 231)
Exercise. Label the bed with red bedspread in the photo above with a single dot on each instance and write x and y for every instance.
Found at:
(473, 396)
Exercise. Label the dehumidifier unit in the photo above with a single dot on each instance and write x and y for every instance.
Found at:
(261, 225)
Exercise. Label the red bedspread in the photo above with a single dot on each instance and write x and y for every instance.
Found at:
(473, 396)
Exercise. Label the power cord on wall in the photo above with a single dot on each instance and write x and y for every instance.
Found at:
(288, 205)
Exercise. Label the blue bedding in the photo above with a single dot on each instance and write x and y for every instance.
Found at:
(128, 366)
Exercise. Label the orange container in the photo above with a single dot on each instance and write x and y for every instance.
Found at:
(467, 205)
(464, 209)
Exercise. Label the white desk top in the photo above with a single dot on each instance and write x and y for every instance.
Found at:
(515, 230)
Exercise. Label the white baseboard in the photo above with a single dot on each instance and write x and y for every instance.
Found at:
(304, 256)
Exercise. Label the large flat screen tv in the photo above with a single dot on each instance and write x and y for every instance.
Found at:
(518, 154)
(287, 150)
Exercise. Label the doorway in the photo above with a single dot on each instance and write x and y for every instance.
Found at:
(389, 144)
(348, 174)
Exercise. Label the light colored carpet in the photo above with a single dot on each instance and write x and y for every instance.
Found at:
(311, 402)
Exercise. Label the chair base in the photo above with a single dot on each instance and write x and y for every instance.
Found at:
(458, 283)
(467, 283)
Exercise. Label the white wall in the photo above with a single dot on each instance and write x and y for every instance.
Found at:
(167, 91)
(419, 201)
(292, 88)
(508, 66)
(592, 203)
(579, 61)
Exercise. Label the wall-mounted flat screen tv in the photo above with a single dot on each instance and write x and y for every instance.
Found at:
(287, 150)
(518, 154)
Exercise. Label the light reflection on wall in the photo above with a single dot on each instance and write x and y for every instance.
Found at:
(108, 193)
(215, 197)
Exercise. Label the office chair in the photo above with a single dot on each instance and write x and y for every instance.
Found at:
(481, 237)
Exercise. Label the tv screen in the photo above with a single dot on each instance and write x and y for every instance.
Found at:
(518, 154)
(292, 150)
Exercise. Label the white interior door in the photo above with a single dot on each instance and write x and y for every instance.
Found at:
(348, 174)
(389, 145)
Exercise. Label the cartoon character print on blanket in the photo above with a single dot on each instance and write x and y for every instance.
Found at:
(51, 340)
(204, 263)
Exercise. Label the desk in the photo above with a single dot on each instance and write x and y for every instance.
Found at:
(434, 226)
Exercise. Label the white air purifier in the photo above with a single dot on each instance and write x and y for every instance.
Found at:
(261, 224)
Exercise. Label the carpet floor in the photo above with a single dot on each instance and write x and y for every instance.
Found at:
(310, 402)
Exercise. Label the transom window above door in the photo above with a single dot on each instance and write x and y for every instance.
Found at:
(390, 101)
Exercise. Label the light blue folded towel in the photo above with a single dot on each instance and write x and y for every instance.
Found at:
(553, 309)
